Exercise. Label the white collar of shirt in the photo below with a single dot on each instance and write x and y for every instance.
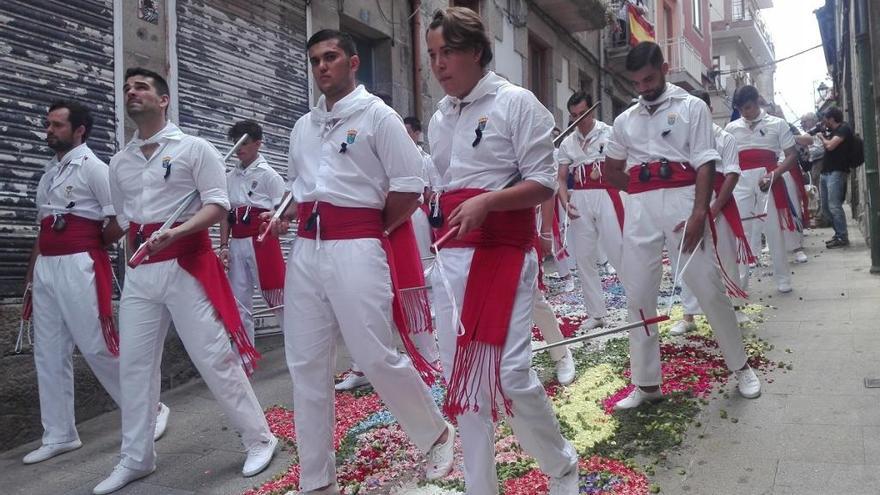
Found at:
(761, 116)
(258, 161)
(352, 103)
(73, 156)
(671, 92)
(168, 133)
(488, 85)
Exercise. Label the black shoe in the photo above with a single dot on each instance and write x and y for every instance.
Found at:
(836, 243)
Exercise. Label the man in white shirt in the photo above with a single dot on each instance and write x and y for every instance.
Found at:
(594, 206)
(72, 278)
(760, 138)
(182, 281)
(488, 133)
(732, 245)
(254, 188)
(355, 176)
(662, 152)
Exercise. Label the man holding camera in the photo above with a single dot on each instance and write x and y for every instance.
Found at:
(837, 140)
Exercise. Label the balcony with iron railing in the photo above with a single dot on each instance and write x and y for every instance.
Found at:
(686, 67)
(746, 22)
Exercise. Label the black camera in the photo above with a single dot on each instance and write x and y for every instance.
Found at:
(816, 129)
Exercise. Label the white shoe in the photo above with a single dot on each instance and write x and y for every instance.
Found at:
(682, 327)
(765, 249)
(747, 382)
(569, 284)
(784, 287)
(49, 451)
(591, 324)
(352, 381)
(637, 397)
(161, 421)
(567, 484)
(441, 456)
(565, 369)
(741, 318)
(800, 257)
(120, 477)
(259, 457)
(609, 269)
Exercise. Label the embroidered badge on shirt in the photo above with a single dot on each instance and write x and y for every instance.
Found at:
(166, 164)
(351, 135)
(671, 118)
(481, 126)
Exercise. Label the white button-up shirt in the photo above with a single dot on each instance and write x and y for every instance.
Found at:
(725, 143)
(516, 137)
(580, 150)
(258, 185)
(429, 171)
(680, 130)
(77, 183)
(142, 194)
(770, 133)
(379, 155)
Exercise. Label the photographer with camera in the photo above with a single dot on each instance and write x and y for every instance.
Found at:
(837, 139)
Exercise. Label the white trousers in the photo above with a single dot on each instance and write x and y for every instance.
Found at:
(545, 320)
(154, 296)
(651, 218)
(243, 276)
(345, 288)
(533, 420)
(597, 226)
(727, 252)
(751, 200)
(794, 239)
(66, 315)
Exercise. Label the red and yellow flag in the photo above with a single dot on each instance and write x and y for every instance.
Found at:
(639, 27)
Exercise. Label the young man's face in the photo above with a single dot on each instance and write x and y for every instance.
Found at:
(248, 151)
(141, 97)
(60, 135)
(649, 81)
(416, 136)
(333, 70)
(750, 110)
(457, 71)
(576, 111)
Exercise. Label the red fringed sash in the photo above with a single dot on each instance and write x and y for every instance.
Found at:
(586, 183)
(194, 254)
(730, 211)
(411, 309)
(500, 247)
(82, 235)
(270, 260)
(766, 159)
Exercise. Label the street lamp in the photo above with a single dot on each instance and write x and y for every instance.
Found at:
(823, 90)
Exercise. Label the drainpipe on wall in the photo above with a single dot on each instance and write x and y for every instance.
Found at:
(416, 23)
(869, 129)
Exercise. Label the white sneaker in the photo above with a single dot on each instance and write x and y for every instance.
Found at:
(591, 324)
(747, 382)
(637, 397)
(569, 284)
(49, 451)
(441, 456)
(352, 381)
(800, 257)
(161, 421)
(741, 318)
(259, 457)
(765, 249)
(120, 477)
(682, 327)
(784, 287)
(567, 484)
(610, 269)
(565, 369)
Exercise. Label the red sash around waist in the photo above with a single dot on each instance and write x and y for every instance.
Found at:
(583, 182)
(270, 260)
(195, 255)
(82, 235)
(501, 244)
(766, 159)
(411, 309)
(682, 174)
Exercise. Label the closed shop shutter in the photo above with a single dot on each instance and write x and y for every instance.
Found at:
(49, 49)
(243, 59)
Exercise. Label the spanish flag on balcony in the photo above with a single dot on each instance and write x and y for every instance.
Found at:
(639, 27)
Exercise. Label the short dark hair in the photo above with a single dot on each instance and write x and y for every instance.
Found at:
(78, 115)
(463, 29)
(577, 98)
(414, 123)
(158, 81)
(343, 40)
(703, 95)
(644, 54)
(745, 94)
(249, 127)
(834, 113)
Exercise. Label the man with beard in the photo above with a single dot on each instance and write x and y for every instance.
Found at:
(71, 277)
(182, 281)
(662, 151)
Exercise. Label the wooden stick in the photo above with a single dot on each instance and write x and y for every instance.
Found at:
(610, 331)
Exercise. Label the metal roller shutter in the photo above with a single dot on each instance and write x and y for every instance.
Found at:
(243, 59)
(49, 49)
